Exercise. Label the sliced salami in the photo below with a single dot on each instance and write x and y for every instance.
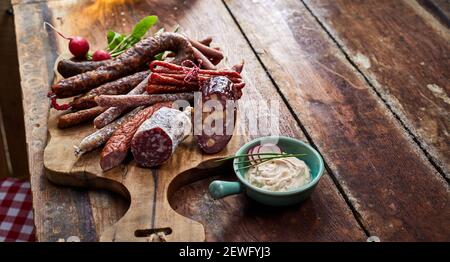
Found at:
(117, 147)
(216, 126)
(158, 137)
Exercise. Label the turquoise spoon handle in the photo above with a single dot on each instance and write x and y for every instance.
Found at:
(219, 189)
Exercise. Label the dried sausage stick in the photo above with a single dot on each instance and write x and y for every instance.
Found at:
(205, 62)
(164, 89)
(140, 100)
(71, 67)
(114, 112)
(101, 136)
(119, 86)
(206, 50)
(78, 117)
(164, 66)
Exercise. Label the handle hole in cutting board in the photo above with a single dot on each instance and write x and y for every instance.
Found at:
(148, 232)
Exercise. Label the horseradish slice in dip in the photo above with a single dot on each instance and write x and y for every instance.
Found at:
(280, 174)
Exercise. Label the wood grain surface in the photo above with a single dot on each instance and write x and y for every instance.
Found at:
(198, 19)
(404, 53)
(397, 193)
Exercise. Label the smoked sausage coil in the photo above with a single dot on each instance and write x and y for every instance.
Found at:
(126, 63)
(212, 138)
(78, 117)
(101, 136)
(113, 113)
(117, 147)
(140, 100)
(158, 137)
(119, 86)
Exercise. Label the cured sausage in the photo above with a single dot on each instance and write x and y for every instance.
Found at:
(119, 86)
(78, 117)
(140, 100)
(114, 112)
(117, 147)
(73, 66)
(101, 136)
(213, 130)
(158, 137)
(163, 89)
(126, 63)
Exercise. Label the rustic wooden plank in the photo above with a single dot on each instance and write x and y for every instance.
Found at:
(59, 212)
(439, 8)
(404, 53)
(395, 190)
(10, 100)
(214, 21)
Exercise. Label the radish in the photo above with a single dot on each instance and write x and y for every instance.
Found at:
(269, 148)
(78, 46)
(251, 158)
(100, 55)
(266, 149)
(254, 153)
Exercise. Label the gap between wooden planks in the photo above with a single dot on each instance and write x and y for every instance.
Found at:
(324, 217)
(392, 186)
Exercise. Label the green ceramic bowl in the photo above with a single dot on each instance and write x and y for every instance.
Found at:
(219, 189)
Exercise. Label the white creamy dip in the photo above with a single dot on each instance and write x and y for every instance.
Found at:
(281, 174)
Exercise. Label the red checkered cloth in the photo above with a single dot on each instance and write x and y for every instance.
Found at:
(16, 214)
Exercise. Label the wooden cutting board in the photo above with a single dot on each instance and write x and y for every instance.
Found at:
(147, 189)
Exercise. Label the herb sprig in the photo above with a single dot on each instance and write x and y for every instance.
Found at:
(268, 157)
(118, 43)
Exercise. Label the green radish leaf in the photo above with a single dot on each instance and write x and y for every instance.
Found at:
(114, 39)
(141, 28)
(159, 56)
(133, 40)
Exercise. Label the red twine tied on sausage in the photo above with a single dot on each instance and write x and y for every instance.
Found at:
(191, 74)
(54, 103)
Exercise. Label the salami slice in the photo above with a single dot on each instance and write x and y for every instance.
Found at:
(158, 137)
(216, 126)
(117, 147)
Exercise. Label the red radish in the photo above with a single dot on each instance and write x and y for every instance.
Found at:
(266, 149)
(251, 157)
(78, 46)
(100, 55)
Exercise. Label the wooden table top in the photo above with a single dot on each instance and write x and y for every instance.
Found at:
(365, 82)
